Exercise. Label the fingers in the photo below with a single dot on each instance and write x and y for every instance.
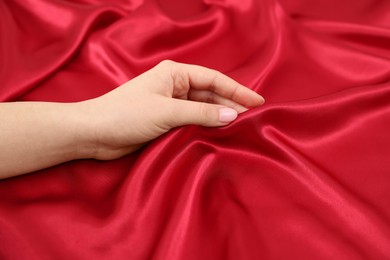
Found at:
(202, 78)
(200, 113)
(212, 98)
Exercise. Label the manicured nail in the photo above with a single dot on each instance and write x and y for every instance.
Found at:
(263, 100)
(240, 109)
(227, 115)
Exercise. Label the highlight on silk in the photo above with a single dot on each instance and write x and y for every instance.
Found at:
(197, 129)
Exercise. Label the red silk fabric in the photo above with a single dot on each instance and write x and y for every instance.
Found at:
(306, 176)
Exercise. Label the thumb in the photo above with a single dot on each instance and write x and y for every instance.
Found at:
(187, 112)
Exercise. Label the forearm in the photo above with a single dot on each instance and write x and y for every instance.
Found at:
(36, 135)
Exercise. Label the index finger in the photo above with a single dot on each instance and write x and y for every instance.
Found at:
(208, 79)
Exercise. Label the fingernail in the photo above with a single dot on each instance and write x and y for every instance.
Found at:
(263, 100)
(240, 109)
(227, 115)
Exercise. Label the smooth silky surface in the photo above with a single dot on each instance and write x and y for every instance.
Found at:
(306, 176)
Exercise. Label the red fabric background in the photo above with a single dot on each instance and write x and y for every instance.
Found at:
(306, 176)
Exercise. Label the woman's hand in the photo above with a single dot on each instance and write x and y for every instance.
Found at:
(167, 96)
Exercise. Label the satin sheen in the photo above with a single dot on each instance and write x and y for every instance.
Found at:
(306, 176)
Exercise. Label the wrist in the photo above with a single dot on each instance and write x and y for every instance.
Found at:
(83, 131)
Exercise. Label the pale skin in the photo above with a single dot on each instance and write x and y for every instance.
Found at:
(37, 135)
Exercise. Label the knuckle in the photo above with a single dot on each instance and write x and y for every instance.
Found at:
(210, 98)
(214, 82)
(167, 63)
(180, 80)
(204, 111)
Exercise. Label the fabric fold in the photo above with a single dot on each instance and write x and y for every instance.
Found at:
(305, 176)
